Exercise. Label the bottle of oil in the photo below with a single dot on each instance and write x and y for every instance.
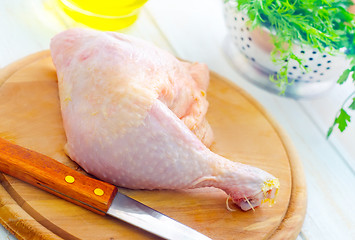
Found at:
(106, 15)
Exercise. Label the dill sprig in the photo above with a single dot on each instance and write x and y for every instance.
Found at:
(325, 25)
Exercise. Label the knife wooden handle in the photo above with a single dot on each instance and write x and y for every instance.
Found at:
(54, 177)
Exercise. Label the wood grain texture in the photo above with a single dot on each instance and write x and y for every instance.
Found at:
(30, 116)
(46, 173)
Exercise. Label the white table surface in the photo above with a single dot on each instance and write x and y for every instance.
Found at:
(194, 30)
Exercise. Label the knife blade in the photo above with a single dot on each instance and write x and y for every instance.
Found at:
(100, 197)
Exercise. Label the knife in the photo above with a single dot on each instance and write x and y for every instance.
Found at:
(100, 197)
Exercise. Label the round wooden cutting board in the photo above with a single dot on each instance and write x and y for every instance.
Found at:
(30, 117)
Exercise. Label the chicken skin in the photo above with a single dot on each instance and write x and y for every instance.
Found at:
(134, 116)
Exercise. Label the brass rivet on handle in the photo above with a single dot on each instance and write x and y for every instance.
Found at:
(69, 179)
(99, 191)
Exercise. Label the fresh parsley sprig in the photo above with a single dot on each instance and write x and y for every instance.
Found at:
(342, 117)
(325, 25)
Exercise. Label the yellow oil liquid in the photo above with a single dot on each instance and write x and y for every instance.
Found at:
(108, 15)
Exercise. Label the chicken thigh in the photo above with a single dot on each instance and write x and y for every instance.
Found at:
(134, 116)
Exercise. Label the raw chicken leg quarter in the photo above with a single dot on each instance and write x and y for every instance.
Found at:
(134, 116)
